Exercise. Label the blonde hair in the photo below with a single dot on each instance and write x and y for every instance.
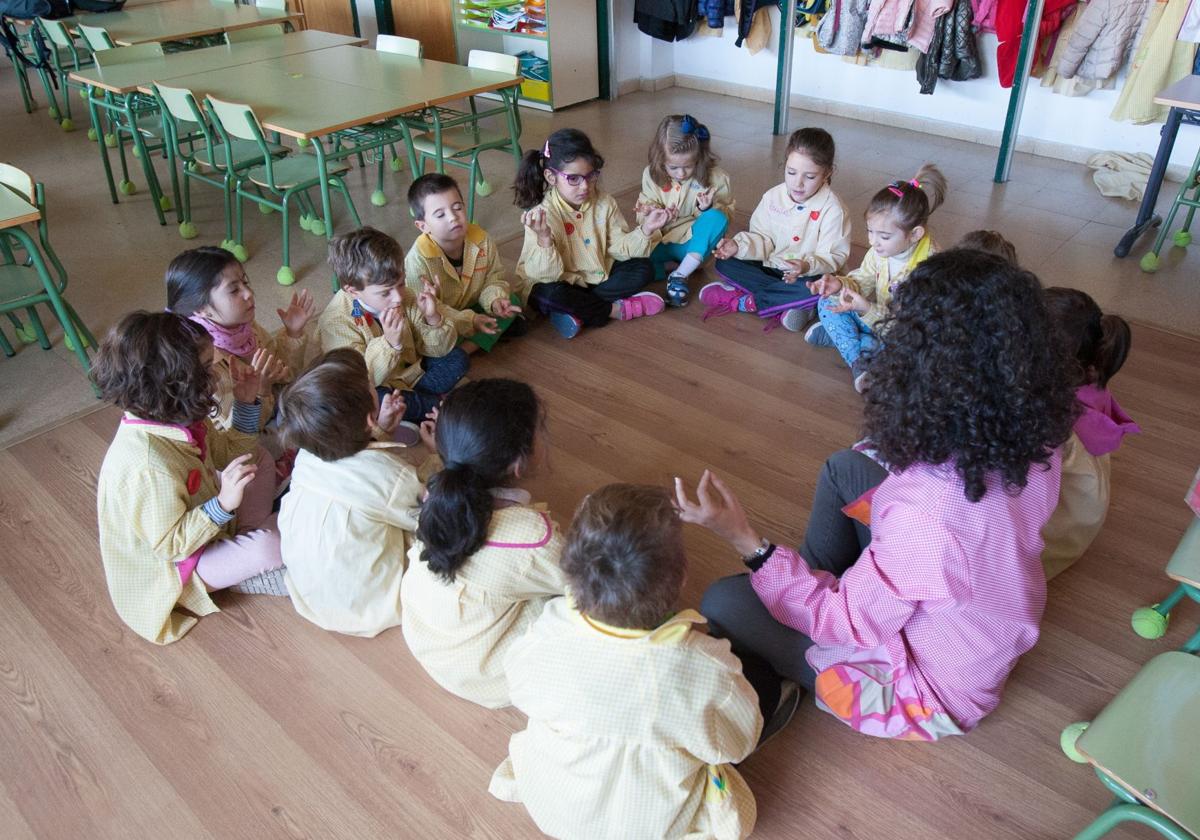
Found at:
(911, 202)
(681, 134)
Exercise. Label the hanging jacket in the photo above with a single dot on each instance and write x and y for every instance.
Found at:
(715, 12)
(1102, 40)
(840, 32)
(984, 12)
(746, 17)
(667, 20)
(954, 51)
(1010, 24)
(1159, 60)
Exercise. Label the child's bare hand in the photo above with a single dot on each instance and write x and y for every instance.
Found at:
(485, 324)
(234, 479)
(535, 219)
(427, 303)
(391, 409)
(504, 308)
(726, 249)
(850, 301)
(704, 199)
(298, 313)
(795, 270)
(391, 321)
(429, 430)
(827, 285)
(717, 509)
(655, 219)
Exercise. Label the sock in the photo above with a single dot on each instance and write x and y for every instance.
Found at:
(690, 263)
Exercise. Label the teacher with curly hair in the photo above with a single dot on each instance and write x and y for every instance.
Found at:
(908, 626)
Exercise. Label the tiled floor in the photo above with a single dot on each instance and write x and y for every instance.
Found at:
(115, 255)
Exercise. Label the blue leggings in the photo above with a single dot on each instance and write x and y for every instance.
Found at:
(848, 332)
(707, 231)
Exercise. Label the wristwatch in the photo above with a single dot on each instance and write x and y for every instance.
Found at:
(763, 553)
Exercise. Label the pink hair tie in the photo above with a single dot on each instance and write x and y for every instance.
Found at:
(915, 183)
(895, 190)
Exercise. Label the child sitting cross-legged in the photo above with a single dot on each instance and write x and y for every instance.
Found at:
(463, 264)
(407, 339)
(348, 518)
(636, 716)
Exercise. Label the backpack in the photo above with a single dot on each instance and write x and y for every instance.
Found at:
(11, 42)
(30, 9)
(96, 5)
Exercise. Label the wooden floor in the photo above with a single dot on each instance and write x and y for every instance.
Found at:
(260, 725)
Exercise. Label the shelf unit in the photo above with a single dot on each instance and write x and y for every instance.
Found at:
(569, 46)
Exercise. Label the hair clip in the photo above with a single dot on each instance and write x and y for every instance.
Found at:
(894, 189)
(546, 150)
(915, 183)
(689, 125)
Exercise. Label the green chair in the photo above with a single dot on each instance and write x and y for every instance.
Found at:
(96, 37)
(203, 159)
(1189, 197)
(457, 138)
(28, 281)
(286, 179)
(1143, 748)
(65, 57)
(22, 53)
(1184, 567)
(254, 33)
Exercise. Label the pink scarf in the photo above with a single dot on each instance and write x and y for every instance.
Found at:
(237, 341)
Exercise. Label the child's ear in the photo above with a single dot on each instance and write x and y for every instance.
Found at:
(518, 469)
(421, 225)
(916, 234)
(549, 176)
(350, 290)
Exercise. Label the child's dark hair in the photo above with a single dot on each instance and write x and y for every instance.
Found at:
(911, 202)
(681, 134)
(483, 428)
(192, 276)
(562, 147)
(325, 410)
(367, 257)
(624, 557)
(991, 242)
(432, 183)
(816, 144)
(971, 374)
(149, 365)
(1097, 344)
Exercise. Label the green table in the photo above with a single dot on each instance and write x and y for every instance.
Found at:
(178, 20)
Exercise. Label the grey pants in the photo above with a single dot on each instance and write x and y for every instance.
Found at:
(832, 543)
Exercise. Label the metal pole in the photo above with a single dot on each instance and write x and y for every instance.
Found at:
(1016, 100)
(783, 73)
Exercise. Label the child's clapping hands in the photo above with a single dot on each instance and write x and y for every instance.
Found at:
(298, 313)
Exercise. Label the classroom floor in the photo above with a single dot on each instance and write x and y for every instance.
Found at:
(258, 724)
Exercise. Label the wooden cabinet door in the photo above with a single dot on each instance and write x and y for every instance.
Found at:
(430, 22)
(327, 15)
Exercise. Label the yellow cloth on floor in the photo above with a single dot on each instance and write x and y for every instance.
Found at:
(818, 231)
(345, 528)
(149, 521)
(460, 631)
(389, 367)
(1082, 507)
(877, 277)
(586, 243)
(631, 734)
(480, 281)
(288, 350)
(682, 198)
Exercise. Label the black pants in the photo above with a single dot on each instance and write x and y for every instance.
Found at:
(771, 294)
(593, 304)
(832, 543)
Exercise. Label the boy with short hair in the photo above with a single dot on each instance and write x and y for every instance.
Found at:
(406, 337)
(461, 261)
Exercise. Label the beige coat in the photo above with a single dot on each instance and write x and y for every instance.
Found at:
(288, 350)
(460, 631)
(388, 367)
(585, 243)
(480, 281)
(631, 734)
(818, 231)
(149, 521)
(1082, 507)
(682, 197)
(877, 277)
(1102, 39)
(345, 528)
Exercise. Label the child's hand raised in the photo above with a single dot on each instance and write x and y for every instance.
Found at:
(427, 303)
(250, 381)
(298, 313)
(535, 219)
(726, 249)
(718, 510)
(826, 286)
(654, 220)
(504, 308)
(795, 270)
(851, 301)
(391, 409)
(429, 430)
(391, 321)
(234, 479)
(485, 324)
(704, 199)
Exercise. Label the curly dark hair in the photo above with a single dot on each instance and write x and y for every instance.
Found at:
(150, 365)
(969, 373)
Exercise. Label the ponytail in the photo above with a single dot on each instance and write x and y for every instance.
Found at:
(1115, 341)
(483, 429)
(911, 202)
(560, 148)
(1096, 344)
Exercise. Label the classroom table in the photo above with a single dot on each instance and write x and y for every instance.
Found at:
(121, 82)
(1183, 97)
(178, 20)
(15, 211)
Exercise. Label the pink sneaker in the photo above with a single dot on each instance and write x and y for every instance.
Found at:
(721, 299)
(641, 304)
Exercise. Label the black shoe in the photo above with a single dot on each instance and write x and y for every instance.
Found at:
(790, 695)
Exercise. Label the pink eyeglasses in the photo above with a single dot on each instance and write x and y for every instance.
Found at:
(573, 179)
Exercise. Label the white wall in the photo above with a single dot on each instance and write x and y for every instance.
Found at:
(979, 104)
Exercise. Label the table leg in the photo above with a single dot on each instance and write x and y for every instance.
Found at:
(1146, 217)
(112, 189)
(323, 167)
(144, 156)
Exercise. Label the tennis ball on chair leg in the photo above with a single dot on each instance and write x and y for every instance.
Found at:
(1183, 238)
(67, 124)
(285, 277)
(187, 230)
(239, 251)
(127, 187)
(1067, 740)
(92, 134)
(378, 198)
(1149, 623)
(1149, 263)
